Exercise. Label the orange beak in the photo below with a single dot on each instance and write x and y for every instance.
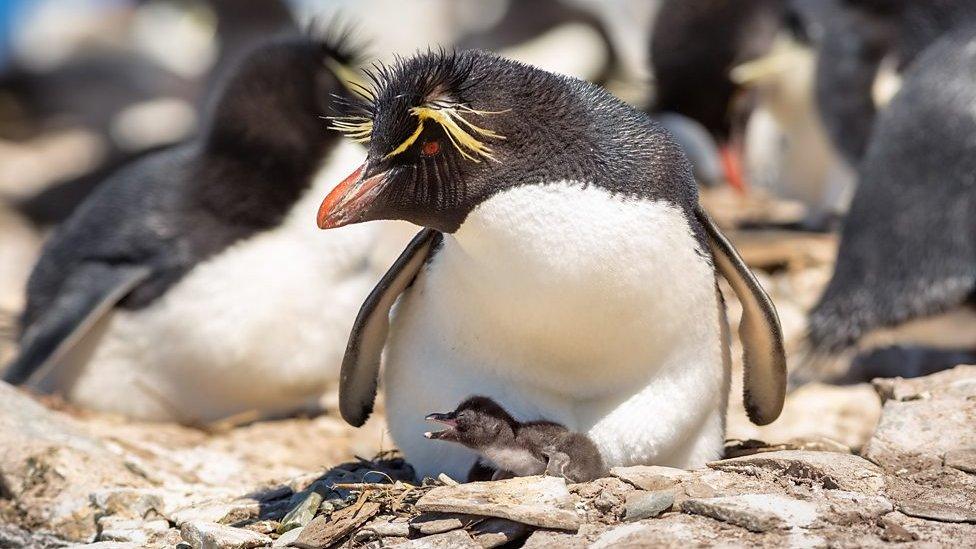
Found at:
(732, 165)
(350, 200)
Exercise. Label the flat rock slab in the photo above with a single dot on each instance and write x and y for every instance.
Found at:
(831, 470)
(755, 512)
(537, 501)
(937, 512)
(210, 535)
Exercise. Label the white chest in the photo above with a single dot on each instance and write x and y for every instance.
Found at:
(552, 284)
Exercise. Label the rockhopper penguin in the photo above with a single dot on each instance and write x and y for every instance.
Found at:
(187, 287)
(908, 246)
(518, 449)
(566, 269)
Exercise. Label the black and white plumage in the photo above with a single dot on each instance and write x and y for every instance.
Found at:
(187, 287)
(516, 448)
(566, 270)
(908, 247)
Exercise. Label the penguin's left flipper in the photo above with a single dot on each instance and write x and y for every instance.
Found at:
(764, 357)
(358, 377)
(86, 295)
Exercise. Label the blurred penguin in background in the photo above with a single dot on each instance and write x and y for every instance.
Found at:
(908, 246)
(135, 93)
(864, 47)
(192, 285)
(787, 150)
(695, 44)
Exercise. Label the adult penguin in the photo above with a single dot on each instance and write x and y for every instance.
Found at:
(565, 270)
(191, 286)
(908, 247)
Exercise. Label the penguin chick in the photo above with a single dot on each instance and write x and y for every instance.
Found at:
(185, 287)
(517, 448)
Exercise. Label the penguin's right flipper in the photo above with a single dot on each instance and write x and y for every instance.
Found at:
(358, 377)
(764, 358)
(86, 295)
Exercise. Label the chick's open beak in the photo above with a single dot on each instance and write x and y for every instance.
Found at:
(350, 201)
(448, 419)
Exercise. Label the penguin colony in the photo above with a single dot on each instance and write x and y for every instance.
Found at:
(563, 286)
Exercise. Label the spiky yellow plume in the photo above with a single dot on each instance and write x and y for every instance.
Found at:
(461, 132)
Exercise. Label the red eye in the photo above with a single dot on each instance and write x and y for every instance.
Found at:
(430, 148)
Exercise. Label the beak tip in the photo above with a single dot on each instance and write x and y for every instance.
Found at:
(428, 434)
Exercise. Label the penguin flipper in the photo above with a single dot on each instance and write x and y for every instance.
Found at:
(764, 357)
(358, 377)
(86, 295)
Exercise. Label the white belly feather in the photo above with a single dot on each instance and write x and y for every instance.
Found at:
(565, 303)
(261, 326)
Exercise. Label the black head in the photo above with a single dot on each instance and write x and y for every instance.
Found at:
(446, 131)
(272, 105)
(476, 423)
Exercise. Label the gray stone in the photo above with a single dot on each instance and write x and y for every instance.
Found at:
(964, 460)
(642, 505)
(828, 469)
(210, 535)
(755, 512)
(455, 539)
(651, 477)
(538, 501)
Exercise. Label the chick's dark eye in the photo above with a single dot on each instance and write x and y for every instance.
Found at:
(430, 148)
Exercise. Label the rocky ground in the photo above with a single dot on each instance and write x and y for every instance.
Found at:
(66, 478)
